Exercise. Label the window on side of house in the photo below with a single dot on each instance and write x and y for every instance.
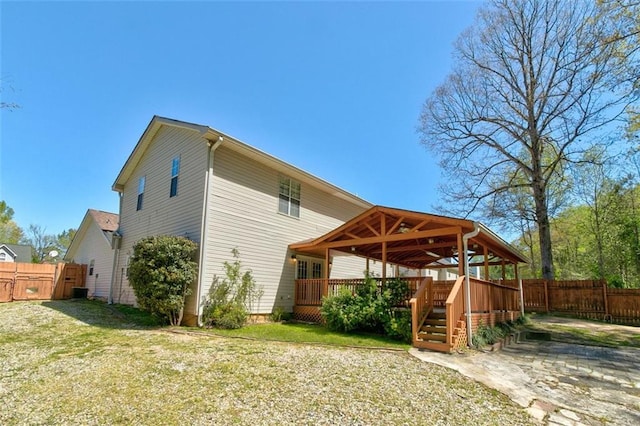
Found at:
(141, 183)
(175, 172)
(302, 273)
(289, 197)
(91, 265)
(317, 270)
(3, 256)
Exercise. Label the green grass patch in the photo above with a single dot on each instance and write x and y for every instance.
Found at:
(310, 333)
(587, 332)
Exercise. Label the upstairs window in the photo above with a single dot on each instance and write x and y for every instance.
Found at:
(140, 193)
(289, 197)
(91, 266)
(175, 171)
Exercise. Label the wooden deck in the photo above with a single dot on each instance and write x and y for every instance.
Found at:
(438, 308)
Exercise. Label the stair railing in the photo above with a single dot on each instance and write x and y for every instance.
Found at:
(454, 308)
(421, 304)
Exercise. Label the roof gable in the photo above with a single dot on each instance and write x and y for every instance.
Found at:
(19, 252)
(104, 221)
(413, 239)
(213, 135)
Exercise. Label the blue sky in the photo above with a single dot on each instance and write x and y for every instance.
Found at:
(334, 88)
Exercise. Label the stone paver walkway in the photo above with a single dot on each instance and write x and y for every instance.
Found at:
(558, 383)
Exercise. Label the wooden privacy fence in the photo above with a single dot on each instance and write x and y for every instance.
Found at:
(583, 298)
(34, 281)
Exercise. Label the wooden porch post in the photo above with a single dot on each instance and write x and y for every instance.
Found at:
(383, 232)
(384, 262)
(485, 252)
(325, 285)
(368, 266)
(504, 272)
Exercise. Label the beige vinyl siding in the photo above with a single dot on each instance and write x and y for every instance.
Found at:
(160, 214)
(95, 246)
(244, 215)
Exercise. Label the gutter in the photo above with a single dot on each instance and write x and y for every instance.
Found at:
(205, 220)
(467, 284)
(117, 236)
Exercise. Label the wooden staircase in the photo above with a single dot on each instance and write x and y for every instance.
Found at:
(436, 328)
(433, 332)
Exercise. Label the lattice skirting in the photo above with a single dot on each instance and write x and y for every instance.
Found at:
(307, 314)
(460, 340)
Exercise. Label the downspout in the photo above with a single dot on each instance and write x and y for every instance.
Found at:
(116, 251)
(205, 221)
(467, 284)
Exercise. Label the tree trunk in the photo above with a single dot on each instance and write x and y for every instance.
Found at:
(544, 231)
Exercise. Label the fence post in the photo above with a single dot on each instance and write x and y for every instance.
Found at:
(521, 297)
(606, 302)
(546, 296)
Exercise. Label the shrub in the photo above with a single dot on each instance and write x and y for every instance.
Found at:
(160, 272)
(342, 312)
(279, 314)
(369, 309)
(399, 325)
(230, 299)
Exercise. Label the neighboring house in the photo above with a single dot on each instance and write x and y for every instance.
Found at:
(15, 253)
(194, 181)
(91, 246)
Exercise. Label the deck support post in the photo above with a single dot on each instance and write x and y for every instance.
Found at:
(384, 263)
(325, 285)
(485, 252)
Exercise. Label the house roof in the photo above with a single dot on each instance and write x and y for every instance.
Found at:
(209, 134)
(107, 222)
(413, 239)
(20, 252)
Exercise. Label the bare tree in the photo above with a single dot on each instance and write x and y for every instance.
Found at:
(41, 243)
(531, 82)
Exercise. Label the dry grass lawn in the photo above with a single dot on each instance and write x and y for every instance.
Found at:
(82, 362)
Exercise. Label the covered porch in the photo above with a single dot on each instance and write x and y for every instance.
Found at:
(412, 245)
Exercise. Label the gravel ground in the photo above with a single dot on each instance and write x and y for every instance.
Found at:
(77, 362)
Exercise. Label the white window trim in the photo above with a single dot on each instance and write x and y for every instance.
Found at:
(290, 184)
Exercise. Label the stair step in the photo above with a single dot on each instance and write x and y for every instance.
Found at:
(439, 315)
(435, 321)
(432, 329)
(432, 337)
(433, 346)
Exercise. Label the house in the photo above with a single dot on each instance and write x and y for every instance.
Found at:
(194, 181)
(302, 237)
(15, 253)
(91, 246)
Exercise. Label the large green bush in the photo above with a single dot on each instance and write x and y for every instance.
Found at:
(231, 298)
(160, 272)
(369, 309)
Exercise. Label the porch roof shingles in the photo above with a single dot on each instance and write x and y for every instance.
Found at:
(414, 239)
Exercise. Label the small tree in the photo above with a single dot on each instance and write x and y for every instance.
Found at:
(231, 298)
(160, 272)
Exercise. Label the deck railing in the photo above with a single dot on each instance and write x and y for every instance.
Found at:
(309, 292)
(454, 308)
(489, 296)
(421, 305)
